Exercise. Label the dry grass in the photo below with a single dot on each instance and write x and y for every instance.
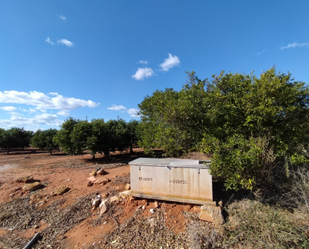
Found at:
(254, 225)
(19, 215)
(201, 234)
(122, 180)
(140, 232)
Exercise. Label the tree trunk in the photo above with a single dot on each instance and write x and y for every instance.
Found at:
(7, 150)
(131, 148)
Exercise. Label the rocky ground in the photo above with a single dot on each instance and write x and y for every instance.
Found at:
(54, 195)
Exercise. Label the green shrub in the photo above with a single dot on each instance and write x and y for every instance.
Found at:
(239, 161)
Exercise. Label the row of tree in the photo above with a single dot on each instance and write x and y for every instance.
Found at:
(75, 136)
(255, 128)
(97, 136)
(14, 138)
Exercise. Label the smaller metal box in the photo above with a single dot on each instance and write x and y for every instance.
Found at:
(179, 180)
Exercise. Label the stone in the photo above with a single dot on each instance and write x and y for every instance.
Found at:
(32, 186)
(89, 183)
(96, 202)
(25, 179)
(101, 180)
(60, 190)
(128, 186)
(211, 214)
(101, 172)
(103, 207)
(114, 199)
(156, 204)
(92, 179)
(104, 195)
(93, 173)
(125, 193)
(197, 209)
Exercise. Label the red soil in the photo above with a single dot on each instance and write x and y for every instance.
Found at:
(73, 171)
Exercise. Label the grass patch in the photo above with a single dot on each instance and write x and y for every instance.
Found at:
(252, 224)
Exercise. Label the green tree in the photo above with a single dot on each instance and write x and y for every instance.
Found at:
(79, 135)
(63, 137)
(14, 137)
(24, 137)
(45, 140)
(118, 136)
(97, 142)
(174, 121)
(257, 126)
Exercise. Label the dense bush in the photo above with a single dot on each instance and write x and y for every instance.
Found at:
(255, 129)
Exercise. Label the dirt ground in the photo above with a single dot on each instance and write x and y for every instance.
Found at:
(67, 221)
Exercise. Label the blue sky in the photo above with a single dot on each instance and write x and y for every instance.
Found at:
(100, 59)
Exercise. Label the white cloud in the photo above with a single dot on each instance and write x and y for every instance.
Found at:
(133, 112)
(64, 113)
(170, 62)
(44, 102)
(117, 107)
(16, 114)
(33, 123)
(8, 108)
(65, 42)
(143, 62)
(49, 41)
(143, 73)
(295, 44)
(63, 18)
(259, 53)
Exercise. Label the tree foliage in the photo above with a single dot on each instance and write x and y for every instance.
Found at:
(174, 121)
(63, 137)
(14, 137)
(45, 140)
(97, 136)
(254, 127)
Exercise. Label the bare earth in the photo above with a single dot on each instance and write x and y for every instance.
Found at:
(72, 171)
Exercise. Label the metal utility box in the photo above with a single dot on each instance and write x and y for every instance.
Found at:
(179, 180)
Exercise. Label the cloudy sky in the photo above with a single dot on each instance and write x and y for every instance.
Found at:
(99, 59)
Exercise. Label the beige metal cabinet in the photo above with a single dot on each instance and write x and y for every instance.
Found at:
(180, 180)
